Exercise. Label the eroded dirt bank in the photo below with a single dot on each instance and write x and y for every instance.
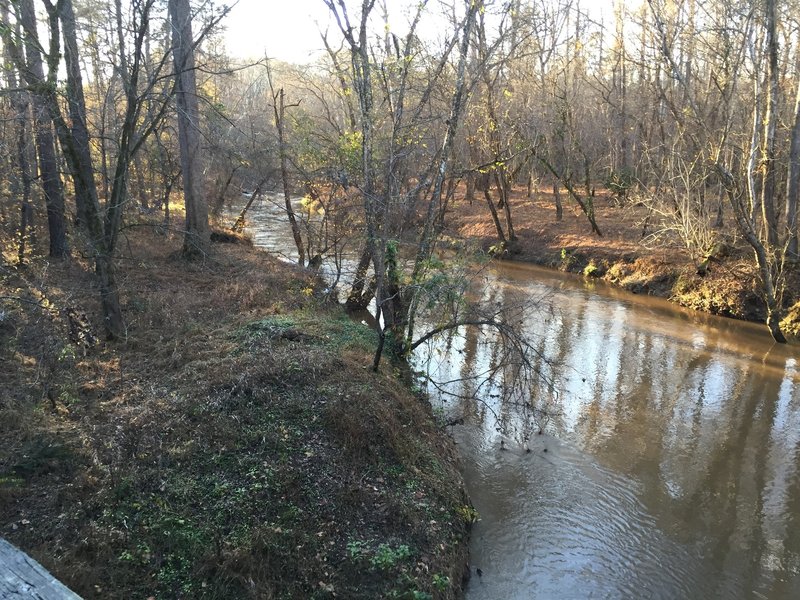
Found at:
(638, 251)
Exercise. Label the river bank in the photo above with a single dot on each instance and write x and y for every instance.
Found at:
(638, 251)
(234, 446)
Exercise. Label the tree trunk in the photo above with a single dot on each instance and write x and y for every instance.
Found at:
(769, 176)
(502, 186)
(26, 208)
(587, 176)
(441, 222)
(426, 240)
(753, 189)
(586, 206)
(141, 187)
(495, 219)
(793, 181)
(21, 174)
(109, 297)
(764, 260)
(361, 62)
(360, 296)
(622, 114)
(470, 195)
(223, 191)
(76, 146)
(168, 183)
(75, 142)
(346, 92)
(279, 108)
(43, 133)
(196, 242)
(240, 221)
(557, 197)
(719, 221)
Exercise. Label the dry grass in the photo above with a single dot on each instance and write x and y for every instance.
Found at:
(233, 446)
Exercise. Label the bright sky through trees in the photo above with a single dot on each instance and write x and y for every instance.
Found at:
(289, 30)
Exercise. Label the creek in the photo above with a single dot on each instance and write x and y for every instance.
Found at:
(662, 459)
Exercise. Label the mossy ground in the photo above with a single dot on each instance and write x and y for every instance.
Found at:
(233, 446)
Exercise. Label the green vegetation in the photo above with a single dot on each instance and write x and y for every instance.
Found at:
(333, 330)
(591, 270)
(235, 447)
(620, 182)
(386, 557)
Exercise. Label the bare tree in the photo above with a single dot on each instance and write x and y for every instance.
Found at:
(27, 55)
(197, 235)
(770, 120)
(793, 175)
(21, 175)
(279, 112)
(740, 188)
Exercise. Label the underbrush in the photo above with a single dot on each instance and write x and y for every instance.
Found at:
(233, 446)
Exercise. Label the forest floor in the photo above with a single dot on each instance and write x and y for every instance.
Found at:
(656, 263)
(233, 446)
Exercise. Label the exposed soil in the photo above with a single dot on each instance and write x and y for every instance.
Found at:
(234, 446)
(627, 253)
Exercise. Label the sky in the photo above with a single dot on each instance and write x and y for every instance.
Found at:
(288, 30)
(282, 29)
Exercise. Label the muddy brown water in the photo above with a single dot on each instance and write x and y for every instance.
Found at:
(668, 463)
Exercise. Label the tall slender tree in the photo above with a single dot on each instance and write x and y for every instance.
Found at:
(197, 235)
(28, 59)
(21, 173)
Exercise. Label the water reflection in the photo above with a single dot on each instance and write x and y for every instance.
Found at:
(672, 441)
(667, 464)
(269, 227)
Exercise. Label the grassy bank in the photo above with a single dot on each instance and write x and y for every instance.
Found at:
(234, 446)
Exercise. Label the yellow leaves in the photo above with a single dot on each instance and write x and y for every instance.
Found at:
(468, 514)
(207, 88)
(312, 206)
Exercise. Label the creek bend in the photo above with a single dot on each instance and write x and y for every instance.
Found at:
(668, 463)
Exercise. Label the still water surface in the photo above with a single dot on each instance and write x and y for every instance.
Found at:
(669, 460)
(668, 463)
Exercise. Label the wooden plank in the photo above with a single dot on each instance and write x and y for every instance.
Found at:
(22, 577)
